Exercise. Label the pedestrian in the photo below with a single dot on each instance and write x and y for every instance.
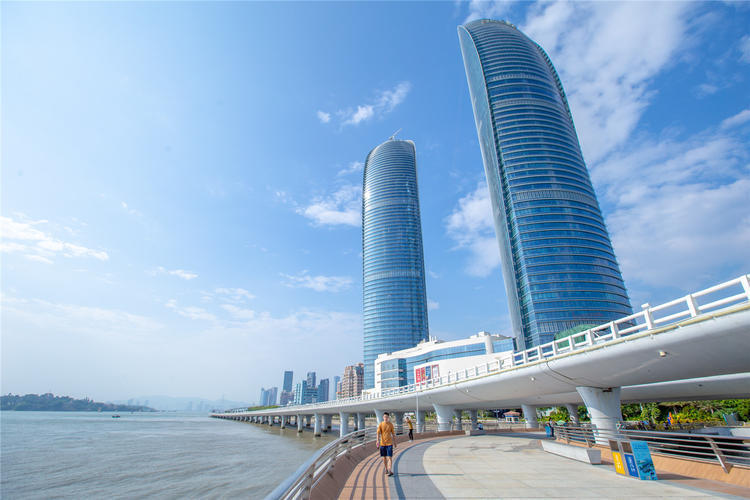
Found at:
(386, 442)
(411, 428)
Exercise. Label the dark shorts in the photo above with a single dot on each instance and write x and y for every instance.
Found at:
(386, 451)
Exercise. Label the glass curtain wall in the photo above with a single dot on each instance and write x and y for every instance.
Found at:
(395, 303)
(558, 264)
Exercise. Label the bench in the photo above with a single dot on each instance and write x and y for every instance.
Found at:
(588, 455)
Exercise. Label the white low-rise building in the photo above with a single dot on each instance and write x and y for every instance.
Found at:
(434, 357)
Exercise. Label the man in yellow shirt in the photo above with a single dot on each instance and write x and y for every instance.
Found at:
(386, 442)
(411, 428)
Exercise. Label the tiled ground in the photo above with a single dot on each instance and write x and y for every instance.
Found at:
(503, 466)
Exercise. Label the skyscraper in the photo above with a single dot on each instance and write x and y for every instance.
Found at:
(288, 376)
(395, 303)
(311, 379)
(558, 264)
(352, 382)
(335, 388)
(323, 390)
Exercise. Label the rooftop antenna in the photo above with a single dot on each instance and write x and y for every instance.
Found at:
(393, 137)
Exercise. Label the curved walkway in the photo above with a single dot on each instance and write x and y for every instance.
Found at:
(509, 466)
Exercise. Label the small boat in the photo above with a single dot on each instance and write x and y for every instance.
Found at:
(115, 416)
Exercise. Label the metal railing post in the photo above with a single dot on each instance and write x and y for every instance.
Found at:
(692, 306)
(719, 455)
(649, 320)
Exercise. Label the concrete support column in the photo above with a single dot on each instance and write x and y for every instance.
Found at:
(398, 422)
(573, 411)
(327, 422)
(458, 415)
(379, 415)
(343, 424)
(361, 421)
(283, 421)
(474, 415)
(603, 406)
(529, 413)
(307, 420)
(318, 424)
(271, 420)
(420, 420)
(299, 423)
(444, 416)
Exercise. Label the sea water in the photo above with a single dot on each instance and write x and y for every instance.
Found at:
(161, 455)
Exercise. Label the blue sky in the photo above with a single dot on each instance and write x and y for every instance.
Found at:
(181, 181)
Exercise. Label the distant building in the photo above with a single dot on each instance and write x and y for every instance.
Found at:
(323, 390)
(434, 357)
(268, 396)
(336, 387)
(353, 381)
(304, 394)
(311, 379)
(286, 398)
(288, 376)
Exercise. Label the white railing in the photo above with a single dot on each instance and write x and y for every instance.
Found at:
(730, 293)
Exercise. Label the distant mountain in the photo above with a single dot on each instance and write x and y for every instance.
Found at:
(50, 402)
(170, 403)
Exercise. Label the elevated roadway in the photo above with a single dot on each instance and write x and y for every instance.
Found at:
(694, 347)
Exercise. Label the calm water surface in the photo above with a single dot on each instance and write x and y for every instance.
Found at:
(165, 455)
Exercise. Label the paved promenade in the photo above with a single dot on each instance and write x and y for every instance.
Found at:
(510, 466)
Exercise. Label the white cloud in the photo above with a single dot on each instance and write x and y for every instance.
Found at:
(94, 321)
(385, 102)
(432, 305)
(679, 208)
(234, 294)
(745, 49)
(738, 119)
(239, 313)
(180, 273)
(318, 283)
(41, 246)
(353, 168)
(341, 208)
(487, 9)
(190, 312)
(607, 53)
(471, 226)
(324, 117)
(130, 210)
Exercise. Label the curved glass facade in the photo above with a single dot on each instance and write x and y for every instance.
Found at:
(558, 264)
(395, 303)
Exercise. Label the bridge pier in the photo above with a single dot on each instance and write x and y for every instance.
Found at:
(603, 406)
(343, 424)
(327, 422)
(420, 420)
(529, 413)
(318, 424)
(283, 421)
(458, 414)
(474, 416)
(444, 416)
(299, 423)
(360, 421)
(398, 422)
(379, 415)
(573, 411)
(271, 419)
(307, 420)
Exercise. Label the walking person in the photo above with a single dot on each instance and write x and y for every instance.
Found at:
(411, 428)
(386, 442)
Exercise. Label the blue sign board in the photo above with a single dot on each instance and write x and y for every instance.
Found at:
(630, 463)
(643, 460)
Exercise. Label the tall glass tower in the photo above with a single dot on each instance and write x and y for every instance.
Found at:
(558, 264)
(395, 303)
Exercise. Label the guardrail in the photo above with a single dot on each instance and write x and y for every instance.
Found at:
(727, 451)
(730, 293)
(299, 485)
